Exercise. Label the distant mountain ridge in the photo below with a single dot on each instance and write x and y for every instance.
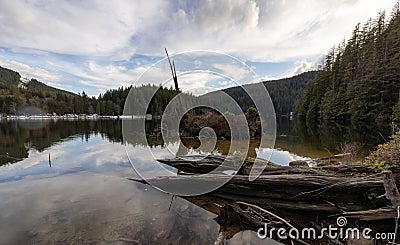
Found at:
(10, 79)
(284, 92)
(16, 91)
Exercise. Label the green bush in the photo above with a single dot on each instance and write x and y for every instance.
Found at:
(387, 155)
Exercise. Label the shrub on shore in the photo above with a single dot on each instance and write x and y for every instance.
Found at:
(386, 155)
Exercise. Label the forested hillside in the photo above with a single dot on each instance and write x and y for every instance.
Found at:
(15, 93)
(284, 92)
(359, 80)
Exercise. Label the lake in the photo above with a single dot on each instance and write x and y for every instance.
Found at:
(67, 182)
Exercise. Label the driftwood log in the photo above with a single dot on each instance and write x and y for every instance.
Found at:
(391, 191)
(354, 191)
(200, 164)
(234, 217)
(325, 188)
(312, 193)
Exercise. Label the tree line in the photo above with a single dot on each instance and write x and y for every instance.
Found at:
(52, 100)
(284, 92)
(359, 79)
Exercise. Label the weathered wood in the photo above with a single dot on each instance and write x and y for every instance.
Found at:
(251, 160)
(347, 190)
(267, 212)
(372, 214)
(332, 157)
(282, 204)
(245, 204)
(279, 170)
(346, 170)
(199, 163)
(202, 164)
(391, 193)
(221, 238)
(288, 180)
(326, 189)
(173, 72)
(299, 192)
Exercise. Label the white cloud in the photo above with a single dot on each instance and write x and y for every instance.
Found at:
(104, 77)
(302, 66)
(101, 32)
(29, 71)
(85, 28)
(235, 71)
(262, 30)
(256, 30)
(199, 83)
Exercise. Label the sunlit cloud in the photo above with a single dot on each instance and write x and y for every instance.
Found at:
(302, 66)
(29, 71)
(96, 45)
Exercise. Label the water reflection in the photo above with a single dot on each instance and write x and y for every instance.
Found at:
(19, 140)
(86, 207)
(69, 140)
(85, 197)
(311, 140)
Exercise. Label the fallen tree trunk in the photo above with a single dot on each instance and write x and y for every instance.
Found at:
(295, 191)
(198, 163)
(353, 190)
(250, 204)
(372, 214)
(201, 164)
(391, 191)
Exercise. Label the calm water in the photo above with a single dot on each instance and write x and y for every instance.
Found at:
(83, 195)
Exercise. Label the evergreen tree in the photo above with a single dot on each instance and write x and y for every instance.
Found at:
(359, 81)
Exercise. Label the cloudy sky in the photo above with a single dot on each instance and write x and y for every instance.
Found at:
(96, 45)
